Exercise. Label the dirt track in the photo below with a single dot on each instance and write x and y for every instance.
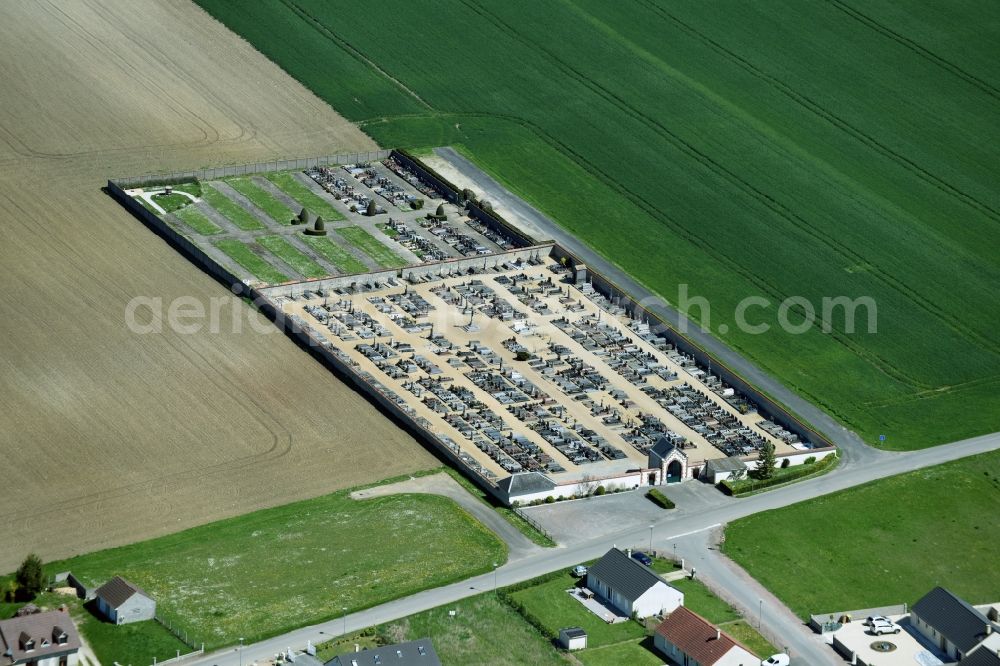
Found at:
(106, 436)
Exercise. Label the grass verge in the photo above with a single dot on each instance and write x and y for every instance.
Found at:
(371, 246)
(171, 202)
(906, 534)
(242, 254)
(231, 210)
(281, 248)
(289, 184)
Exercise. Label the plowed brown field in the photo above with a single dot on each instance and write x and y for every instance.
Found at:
(107, 436)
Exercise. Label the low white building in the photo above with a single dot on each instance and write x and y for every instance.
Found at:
(950, 623)
(631, 587)
(573, 638)
(41, 639)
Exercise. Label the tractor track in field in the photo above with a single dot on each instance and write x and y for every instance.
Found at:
(805, 102)
(733, 178)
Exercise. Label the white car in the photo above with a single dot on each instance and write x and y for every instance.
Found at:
(872, 619)
(878, 628)
(781, 659)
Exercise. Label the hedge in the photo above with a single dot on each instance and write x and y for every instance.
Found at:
(785, 475)
(659, 498)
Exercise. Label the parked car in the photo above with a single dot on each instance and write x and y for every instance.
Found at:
(872, 619)
(579, 571)
(886, 627)
(781, 659)
(643, 558)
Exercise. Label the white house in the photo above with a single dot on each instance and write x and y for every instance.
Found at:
(688, 639)
(42, 639)
(631, 587)
(122, 602)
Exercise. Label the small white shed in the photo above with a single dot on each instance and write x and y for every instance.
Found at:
(573, 638)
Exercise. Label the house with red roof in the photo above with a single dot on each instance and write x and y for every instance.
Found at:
(688, 639)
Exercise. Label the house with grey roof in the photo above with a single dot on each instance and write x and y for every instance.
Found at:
(951, 623)
(122, 602)
(413, 653)
(631, 587)
(39, 639)
(986, 653)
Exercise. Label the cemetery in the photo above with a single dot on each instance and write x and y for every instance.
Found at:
(536, 376)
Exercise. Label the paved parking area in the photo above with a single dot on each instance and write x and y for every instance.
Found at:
(903, 649)
(577, 521)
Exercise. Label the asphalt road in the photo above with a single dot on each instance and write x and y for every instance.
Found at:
(688, 531)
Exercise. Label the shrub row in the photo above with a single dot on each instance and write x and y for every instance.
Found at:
(809, 466)
(659, 498)
(552, 499)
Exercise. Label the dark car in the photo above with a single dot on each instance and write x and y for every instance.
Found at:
(642, 557)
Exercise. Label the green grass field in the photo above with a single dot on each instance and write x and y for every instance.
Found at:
(371, 246)
(483, 632)
(270, 571)
(335, 254)
(549, 602)
(244, 255)
(287, 252)
(793, 148)
(195, 219)
(634, 653)
(287, 183)
(886, 542)
(231, 210)
(263, 199)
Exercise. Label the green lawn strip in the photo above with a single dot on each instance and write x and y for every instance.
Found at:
(555, 609)
(263, 199)
(336, 255)
(523, 526)
(483, 632)
(907, 533)
(235, 213)
(197, 220)
(387, 230)
(271, 571)
(750, 637)
(315, 204)
(148, 206)
(171, 202)
(242, 254)
(371, 246)
(634, 653)
(703, 601)
(288, 253)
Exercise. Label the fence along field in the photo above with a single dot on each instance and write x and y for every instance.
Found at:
(109, 437)
(793, 148)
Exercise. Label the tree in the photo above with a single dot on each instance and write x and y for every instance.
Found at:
(30, 577)
(767, 463)
(303, 216)
(371, 209)
(320, 225)
(440, 214)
